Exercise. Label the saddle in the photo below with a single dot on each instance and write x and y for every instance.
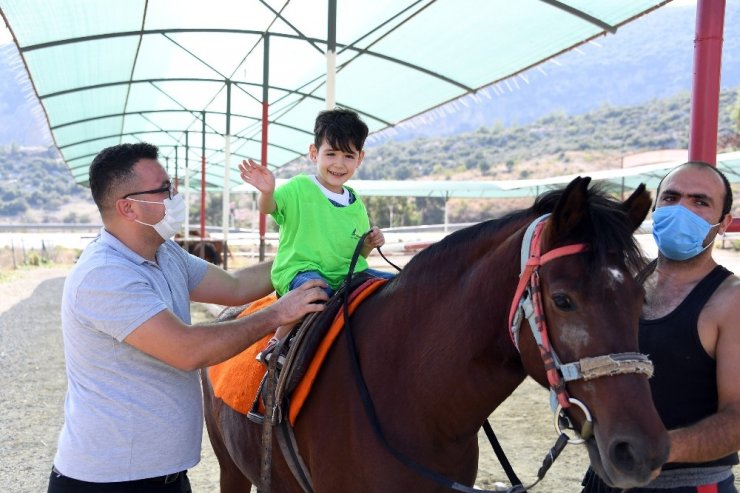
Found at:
(301, 359)
(310, 344)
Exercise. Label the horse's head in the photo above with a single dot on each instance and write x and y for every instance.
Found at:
(592, 304)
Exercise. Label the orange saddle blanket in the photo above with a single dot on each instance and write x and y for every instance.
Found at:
(236, 380)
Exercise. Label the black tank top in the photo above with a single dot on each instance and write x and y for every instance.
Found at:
(684, 385)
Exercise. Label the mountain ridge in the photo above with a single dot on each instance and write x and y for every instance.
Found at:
(649, 58)
(35, 183)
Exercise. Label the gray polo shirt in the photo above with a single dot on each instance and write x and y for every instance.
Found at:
(127, 415)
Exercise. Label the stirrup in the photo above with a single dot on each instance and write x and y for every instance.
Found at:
(265, 355)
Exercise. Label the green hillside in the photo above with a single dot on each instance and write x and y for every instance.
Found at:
(34, 183)
(659, 124)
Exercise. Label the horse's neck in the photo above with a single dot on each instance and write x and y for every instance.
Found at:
(449, 330)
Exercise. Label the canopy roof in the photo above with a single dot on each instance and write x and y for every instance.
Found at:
(180, 73)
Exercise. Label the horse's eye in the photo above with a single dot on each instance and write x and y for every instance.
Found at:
(563, 302)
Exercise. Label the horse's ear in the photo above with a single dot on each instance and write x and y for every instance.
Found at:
(637, 206)
(569, 212)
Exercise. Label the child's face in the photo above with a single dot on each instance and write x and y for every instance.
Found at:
(333, 166)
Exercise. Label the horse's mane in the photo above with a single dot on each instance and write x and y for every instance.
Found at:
(607, 231)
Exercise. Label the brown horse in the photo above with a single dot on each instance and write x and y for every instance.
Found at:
(437, 356)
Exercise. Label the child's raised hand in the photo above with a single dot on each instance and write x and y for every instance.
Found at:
(375, 238)
(258, 176)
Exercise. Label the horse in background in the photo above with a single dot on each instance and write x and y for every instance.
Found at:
(437, 356)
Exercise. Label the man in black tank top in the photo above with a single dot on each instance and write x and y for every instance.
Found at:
(691, 332)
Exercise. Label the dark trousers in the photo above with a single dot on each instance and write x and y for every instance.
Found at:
(163, 484)
(593, 484)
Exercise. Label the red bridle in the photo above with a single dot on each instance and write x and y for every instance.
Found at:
(528, 303)
(529, 281)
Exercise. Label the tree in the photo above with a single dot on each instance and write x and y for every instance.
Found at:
(13, 207)
(732, 139)
(387, 212)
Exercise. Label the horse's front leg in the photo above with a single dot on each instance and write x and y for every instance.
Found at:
(231, 479)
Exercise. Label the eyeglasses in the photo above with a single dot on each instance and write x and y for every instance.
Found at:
(170, 189)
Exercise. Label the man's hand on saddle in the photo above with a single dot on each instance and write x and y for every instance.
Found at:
(298, 303)
(375, 238)
(257, 175)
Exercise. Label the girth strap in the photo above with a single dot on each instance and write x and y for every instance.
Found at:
(272, 414)
(289, 447)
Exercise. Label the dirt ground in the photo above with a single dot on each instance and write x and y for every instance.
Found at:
(31, 401)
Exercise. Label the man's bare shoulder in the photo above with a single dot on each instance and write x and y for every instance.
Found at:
(725, 301)
(730, 287)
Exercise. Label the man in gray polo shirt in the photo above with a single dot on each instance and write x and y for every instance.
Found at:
(133, 410)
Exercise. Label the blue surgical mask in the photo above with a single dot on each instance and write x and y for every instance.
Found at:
(679, 232)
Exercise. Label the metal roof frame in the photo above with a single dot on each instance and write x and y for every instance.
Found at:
(369, 42)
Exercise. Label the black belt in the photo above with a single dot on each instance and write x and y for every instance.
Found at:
(166, 479)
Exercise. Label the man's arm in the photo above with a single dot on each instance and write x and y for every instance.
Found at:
(234, 289)
(719, 434)
(167, 338)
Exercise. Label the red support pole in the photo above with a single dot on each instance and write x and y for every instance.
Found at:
(710, 20)
(710, 17)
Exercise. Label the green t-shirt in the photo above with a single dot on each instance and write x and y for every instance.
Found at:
(315, 235)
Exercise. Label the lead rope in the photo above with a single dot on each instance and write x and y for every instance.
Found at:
(499, 451)
(421, 470)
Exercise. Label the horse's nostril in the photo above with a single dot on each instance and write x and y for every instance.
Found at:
(623, 456)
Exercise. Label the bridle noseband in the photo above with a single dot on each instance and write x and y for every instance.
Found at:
(528, 303)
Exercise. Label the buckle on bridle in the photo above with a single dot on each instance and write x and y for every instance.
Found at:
(562, 421)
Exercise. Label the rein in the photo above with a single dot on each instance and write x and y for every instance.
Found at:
(528, 303)
(369, 407)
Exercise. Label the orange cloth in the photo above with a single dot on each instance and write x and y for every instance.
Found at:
(237, 380)
(300, 394)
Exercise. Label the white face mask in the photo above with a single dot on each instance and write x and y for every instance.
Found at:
(174, 216)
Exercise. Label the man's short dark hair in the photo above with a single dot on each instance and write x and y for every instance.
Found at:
(114, 166)
(726, 203)
(340, 128)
